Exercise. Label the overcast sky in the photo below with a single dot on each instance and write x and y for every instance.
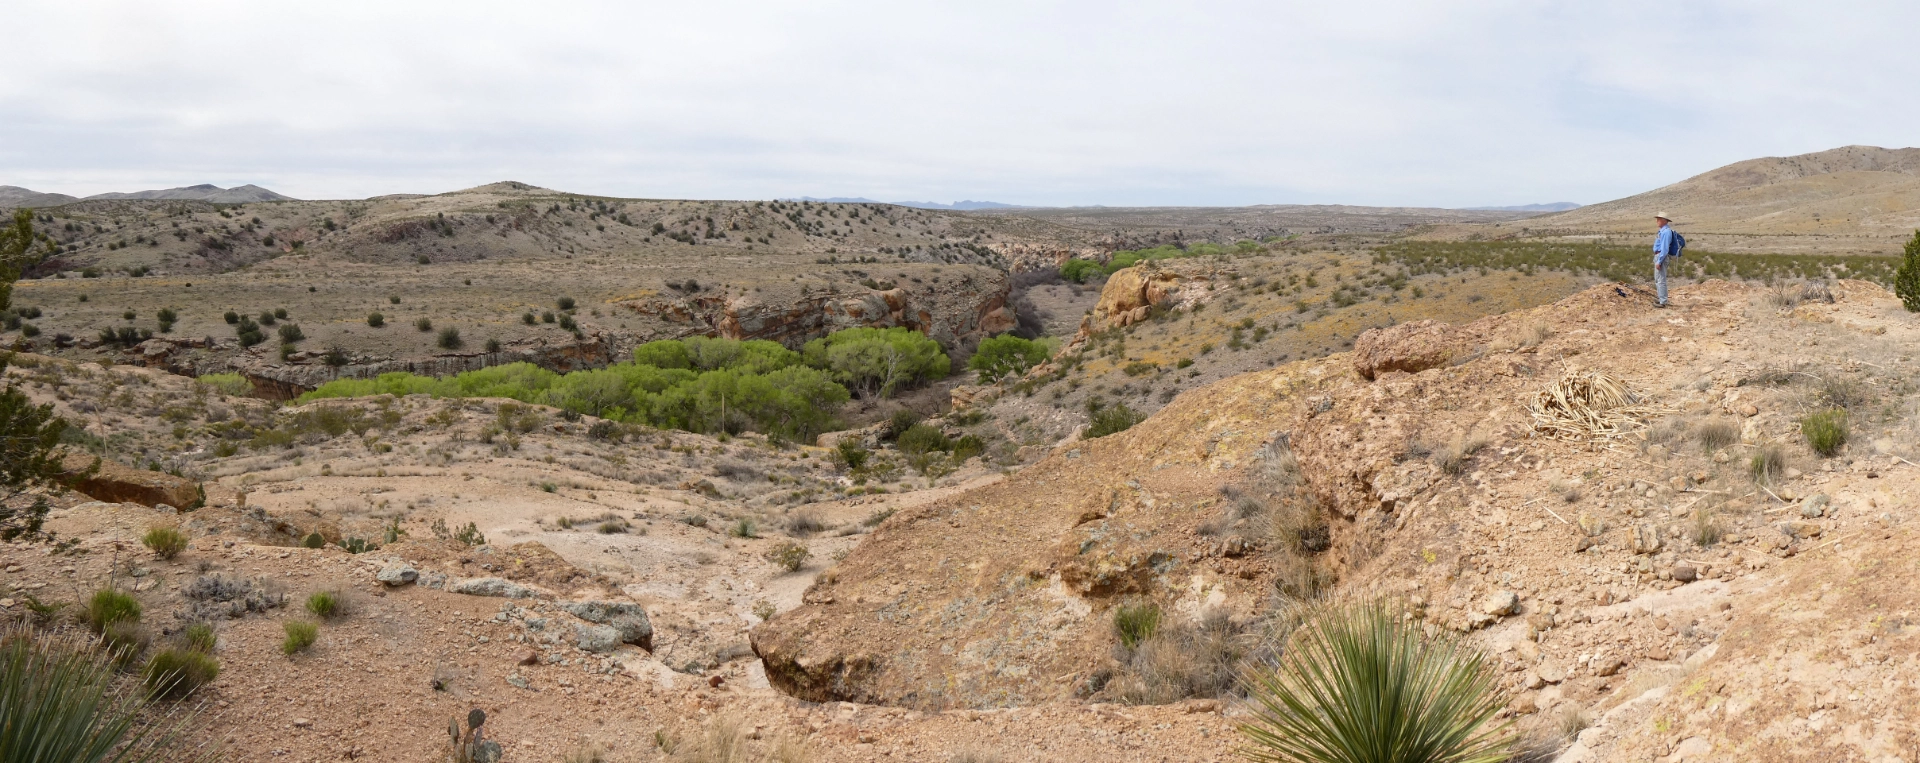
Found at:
(1044, 103)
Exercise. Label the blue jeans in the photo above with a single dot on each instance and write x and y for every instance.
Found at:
(1660, 280)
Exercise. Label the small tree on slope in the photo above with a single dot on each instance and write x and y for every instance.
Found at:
(1906, 280)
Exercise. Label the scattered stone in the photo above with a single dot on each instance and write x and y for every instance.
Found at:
(1685, 573)
(492, 587)
(1201, 706)
(1551, 672)
(397, 575)
(1800, 529)
(1749, 410)
(1501, 603)
(303, 723)
(526, 657)
(515, 680)
(1658, 653)
(626, 617)
(715, 681)
(1646, 539)
(1607, 666)
(1814, 506)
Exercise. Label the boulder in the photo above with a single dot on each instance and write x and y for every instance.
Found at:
(1408, 347)
(118, 483)
(397, 575)
(1501, 603)
(628, 619)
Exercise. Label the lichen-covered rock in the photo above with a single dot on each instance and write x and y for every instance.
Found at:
(397, 575)
(492, 587)
(1408, 347)
(596, 638)
(625, 617)
(118, 483)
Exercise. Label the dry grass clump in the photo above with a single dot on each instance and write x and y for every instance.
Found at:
(300, 636)
(1705, 529)
(1715, 434)
(1181, 660)
(722, 741)
(1588, 405)
(1534, 334)
(1453, 457)
(1768, 463)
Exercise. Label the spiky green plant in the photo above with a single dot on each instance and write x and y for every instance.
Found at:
(58, 705)
(109, 606)
(1361, 684)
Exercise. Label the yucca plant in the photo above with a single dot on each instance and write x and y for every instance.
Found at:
(58, 705)
(1361, 684)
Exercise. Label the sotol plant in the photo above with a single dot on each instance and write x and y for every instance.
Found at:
(61, 704)
(1360, 684)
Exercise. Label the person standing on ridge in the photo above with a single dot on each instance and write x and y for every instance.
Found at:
(1666, 246)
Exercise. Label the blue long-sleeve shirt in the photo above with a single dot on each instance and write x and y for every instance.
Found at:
(1663, 246)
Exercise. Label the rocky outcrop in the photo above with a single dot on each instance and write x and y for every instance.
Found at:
(1407, 347)
(114, 482)
(1131, 294)
(627, 620)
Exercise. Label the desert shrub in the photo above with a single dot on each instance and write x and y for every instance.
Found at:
(743, 528)
(176, 673)
(788, 555)
(300, 635)
(424, 325)
(325, 604)
(1845, 392)
(449, 339)
(1006, 355)
(1825, 431)
(967, 447)
(1361, 683)
(267, 318)
(109, 606)
(1705, 529)
(291, 333)
(1906, 280)
(922, 438)
(233, 385)
(217, 596)
(61, 704)
(848, 453)
(1104, 420)
(1136, 622)
(376, 320)
(165, 541)
(564, 303)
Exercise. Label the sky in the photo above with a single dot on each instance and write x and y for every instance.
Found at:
(1369, 102)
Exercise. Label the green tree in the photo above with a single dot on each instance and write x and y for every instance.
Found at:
(29, 435)
(1078, 271)
(1006, 354)
(1906, 280)
(878, 361)
(17, 253)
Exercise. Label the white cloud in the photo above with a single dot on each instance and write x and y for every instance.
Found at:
(1033, 102)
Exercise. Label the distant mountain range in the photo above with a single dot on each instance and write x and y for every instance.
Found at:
(15, 196)
(958, 205)
(1557, 206)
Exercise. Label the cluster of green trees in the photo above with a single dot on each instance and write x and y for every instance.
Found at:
(701, 384)
(1078, 271)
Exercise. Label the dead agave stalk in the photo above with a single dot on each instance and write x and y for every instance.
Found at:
(1589, 405)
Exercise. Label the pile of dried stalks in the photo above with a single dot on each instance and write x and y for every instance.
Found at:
(1588, 405)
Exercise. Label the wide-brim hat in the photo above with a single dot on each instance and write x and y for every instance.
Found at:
(1663, 216)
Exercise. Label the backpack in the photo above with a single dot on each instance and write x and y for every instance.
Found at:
(1679, 245)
